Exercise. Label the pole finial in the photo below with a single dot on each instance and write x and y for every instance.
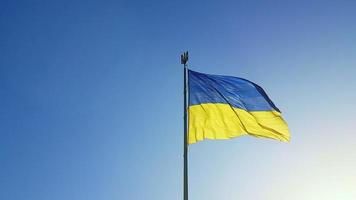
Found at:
(184, 58)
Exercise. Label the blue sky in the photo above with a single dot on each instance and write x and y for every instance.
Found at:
(91, 98)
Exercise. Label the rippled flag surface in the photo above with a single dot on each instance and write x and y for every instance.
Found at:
(224, 107)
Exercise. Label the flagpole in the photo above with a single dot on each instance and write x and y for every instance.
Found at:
(184, 59)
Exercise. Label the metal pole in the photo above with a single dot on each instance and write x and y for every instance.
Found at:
(184, 59)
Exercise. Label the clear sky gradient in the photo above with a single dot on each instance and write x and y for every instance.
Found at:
(91, 99)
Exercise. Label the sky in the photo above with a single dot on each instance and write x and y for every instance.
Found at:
(91, 98)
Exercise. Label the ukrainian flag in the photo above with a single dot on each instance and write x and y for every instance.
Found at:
(224, 107)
